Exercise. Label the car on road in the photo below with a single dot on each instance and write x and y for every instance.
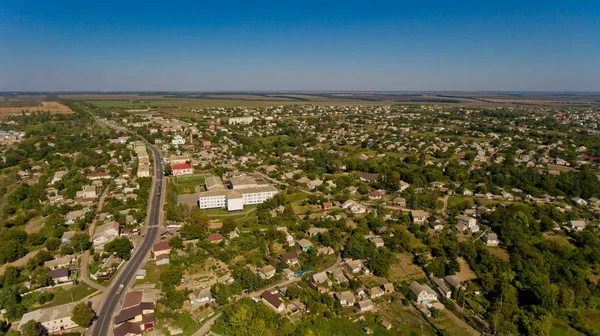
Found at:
(120, 289)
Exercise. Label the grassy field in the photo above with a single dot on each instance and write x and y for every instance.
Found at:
(187, 184)
(62, 296)
(450, 326)
(404, 269)
(498, 252)
(592, 318)
(466, 274)
(153, 272)
(559, 239)
(560, 328)
(406, 320)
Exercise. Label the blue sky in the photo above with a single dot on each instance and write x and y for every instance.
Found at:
(300, 45)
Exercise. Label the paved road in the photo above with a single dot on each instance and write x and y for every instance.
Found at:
(103, 326)
(84, 262)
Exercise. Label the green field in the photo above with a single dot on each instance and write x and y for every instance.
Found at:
(74, 294)
(592, 318)
(187, 184)
(152, 273)
(186, 104)
(560, 328)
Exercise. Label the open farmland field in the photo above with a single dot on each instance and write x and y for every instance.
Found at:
(52, 107)
(115, 97)
(404, 269)
(249, 97)
(466, 274)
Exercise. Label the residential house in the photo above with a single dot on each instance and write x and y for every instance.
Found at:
(273, 301)
(376, 292)
(305, 244)
(73, 216)
(419, 216)
(491, 239)
(378, 241)
(66, 237)
(403, 186)
(215, 238)
(161, 252)
(579, 201)
(369, 177)
(577, 225)
(136, 315)
(327, 250)
(354, 207)
(423, 294)
(454, 281)
(314, 231)
(387, 325)
(365, 305)
(376, 195)
(435, 224)
(60, 262)
(388, 287)
(201, 296)
(54, 320)
(399, 201)
(345, 298)
(320, 278)
(59, 275)
(442, 288)
(290, 258)
(267, 272)
(354, 266)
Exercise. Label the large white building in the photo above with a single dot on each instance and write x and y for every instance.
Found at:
(243, 190)
(54, 320)
(178, 140)
(241, 120)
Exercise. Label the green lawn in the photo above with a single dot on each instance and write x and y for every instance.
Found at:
(152, 273)
(76, 293)
(560, 328)
(455, 199)
(187, 184)
(195, 180)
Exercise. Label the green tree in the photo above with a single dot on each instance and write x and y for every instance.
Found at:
(121, 246)
(32, 328)
(83, 315)
(196, 227)
(81, 242)
(52, 244)
(171, 277)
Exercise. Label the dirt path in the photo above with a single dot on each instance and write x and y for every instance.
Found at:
(206, 326)
(445, 201)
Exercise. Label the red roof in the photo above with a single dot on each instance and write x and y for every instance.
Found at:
(162, 246)
(214, 237)
(271, 298)
(182, 166)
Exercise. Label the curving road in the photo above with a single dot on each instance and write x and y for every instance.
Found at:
(103, 325)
